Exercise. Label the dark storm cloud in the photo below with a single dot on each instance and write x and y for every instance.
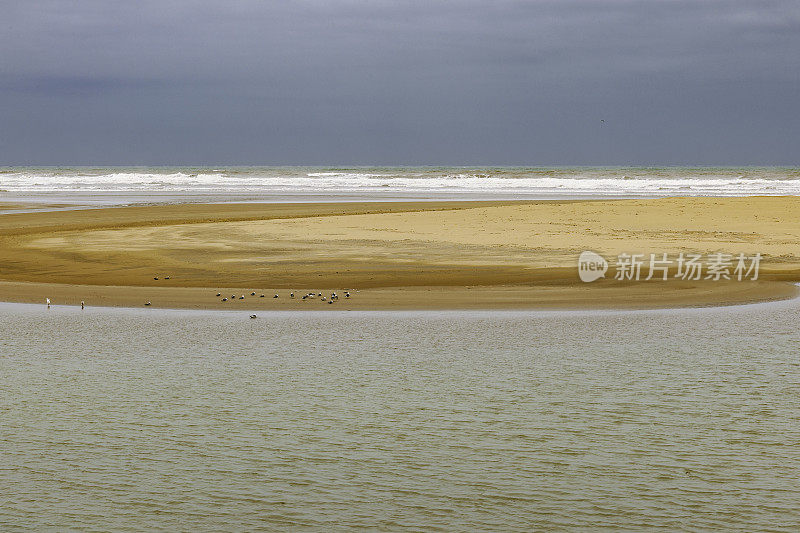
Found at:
(55, 86)
(430, 82)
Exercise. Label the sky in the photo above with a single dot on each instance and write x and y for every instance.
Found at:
(562, 82)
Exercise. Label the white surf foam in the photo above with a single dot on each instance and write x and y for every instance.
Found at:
(536, 182)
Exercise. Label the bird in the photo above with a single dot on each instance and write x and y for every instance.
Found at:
(347, 295)
(219, 294)
(330, 301)
(156, 278)
(275, 296)
(166, 277)
(148, 303)
(253, 316)
(48, 302)
(252, 294)
(261, 296)
(82, 304)
(291, 295)
(241, 297)
(224, 299)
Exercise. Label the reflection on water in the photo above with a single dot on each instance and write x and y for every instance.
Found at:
(147, 419)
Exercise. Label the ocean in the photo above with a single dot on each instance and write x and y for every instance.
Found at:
(136, 185)
(128, 420)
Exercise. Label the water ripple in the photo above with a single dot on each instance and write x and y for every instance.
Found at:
(131, 420)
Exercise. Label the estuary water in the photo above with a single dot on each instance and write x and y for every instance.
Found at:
(115, 419)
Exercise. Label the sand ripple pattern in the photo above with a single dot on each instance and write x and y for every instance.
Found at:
(137, 420)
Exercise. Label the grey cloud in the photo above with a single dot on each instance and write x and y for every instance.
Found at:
(359, 82)
(84, 86)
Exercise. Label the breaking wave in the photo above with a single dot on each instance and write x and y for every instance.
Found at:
(595, 182)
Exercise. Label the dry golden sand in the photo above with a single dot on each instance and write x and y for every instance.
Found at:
(396, 255)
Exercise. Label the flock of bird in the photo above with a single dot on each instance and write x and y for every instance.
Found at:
(308, 296)
(330, 299)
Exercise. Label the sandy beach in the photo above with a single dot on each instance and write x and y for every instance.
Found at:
(392, 255)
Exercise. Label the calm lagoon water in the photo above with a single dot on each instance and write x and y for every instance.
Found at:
(174, 420)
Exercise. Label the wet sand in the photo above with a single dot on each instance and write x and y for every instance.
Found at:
(404, 255)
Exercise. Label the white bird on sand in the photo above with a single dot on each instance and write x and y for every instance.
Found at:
(148, 303)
